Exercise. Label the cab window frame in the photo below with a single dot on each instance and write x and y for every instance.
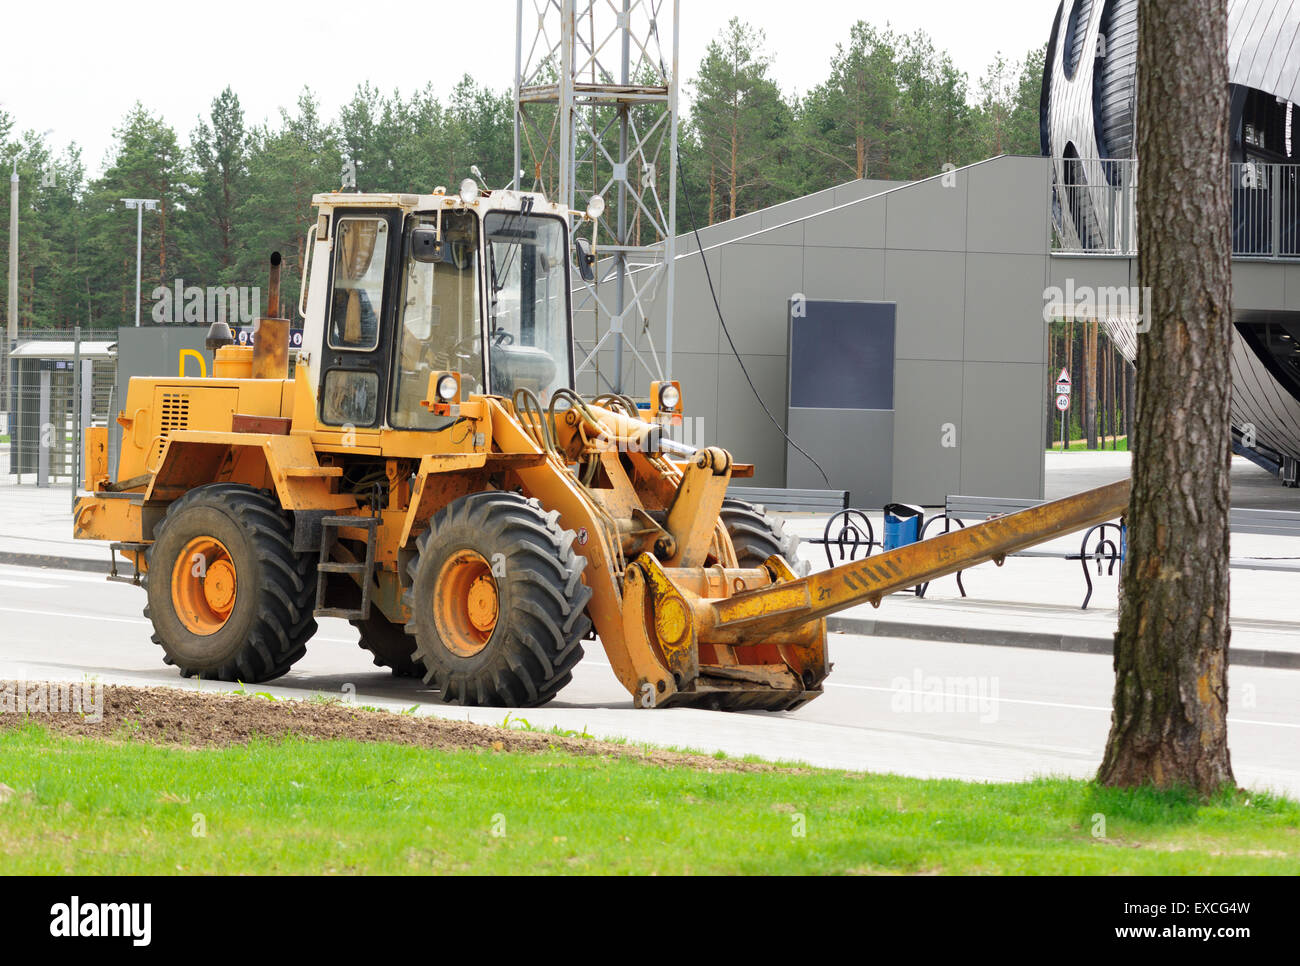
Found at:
(567, 235)
(348, 357)
(385, 296)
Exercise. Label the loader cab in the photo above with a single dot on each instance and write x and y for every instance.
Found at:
(433, 283)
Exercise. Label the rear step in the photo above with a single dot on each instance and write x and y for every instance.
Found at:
(134, 549)
(329, 545)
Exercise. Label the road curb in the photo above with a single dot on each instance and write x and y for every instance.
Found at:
(950, 634)
(47, 562)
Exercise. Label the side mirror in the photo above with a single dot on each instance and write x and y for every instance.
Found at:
(585, 259)
(425, 244)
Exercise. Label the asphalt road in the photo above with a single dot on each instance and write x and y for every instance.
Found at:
(909, 707)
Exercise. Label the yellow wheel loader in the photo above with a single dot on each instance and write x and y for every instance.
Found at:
(429, 473)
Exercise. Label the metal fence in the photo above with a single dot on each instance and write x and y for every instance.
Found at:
(1094, 208)
(1265, 210)
(58, 383)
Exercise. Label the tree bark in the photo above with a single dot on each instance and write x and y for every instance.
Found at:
(1169, 723)
(1070, 368)
(1130, 401)
(1090, 383)
(1051, 384)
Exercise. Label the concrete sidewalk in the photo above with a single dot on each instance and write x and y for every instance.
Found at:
(1028, 602)
(36, 530)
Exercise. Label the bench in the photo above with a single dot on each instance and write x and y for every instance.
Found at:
(1101, 543)
(793, 501)
(1106, 537)
(1106, 550)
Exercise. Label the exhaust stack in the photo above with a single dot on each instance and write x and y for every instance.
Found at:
(271, 334)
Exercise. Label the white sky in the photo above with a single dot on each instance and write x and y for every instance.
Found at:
(77, 67)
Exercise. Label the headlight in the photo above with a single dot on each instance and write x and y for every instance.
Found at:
(469, 191)
(669, 397)
(595, 207)
(448, 387)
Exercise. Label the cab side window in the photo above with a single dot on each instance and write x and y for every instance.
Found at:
(356, 303)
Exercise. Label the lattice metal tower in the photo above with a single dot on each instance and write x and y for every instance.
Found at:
(596, 113)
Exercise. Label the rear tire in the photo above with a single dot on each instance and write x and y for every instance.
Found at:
(757, 535)
(229, 598)
(391, 646)
(388, 643)
(497, 602)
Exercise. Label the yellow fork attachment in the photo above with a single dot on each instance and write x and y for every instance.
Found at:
(756, 639)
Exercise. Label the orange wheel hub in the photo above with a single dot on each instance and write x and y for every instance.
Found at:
(204, 585)
(466, 607)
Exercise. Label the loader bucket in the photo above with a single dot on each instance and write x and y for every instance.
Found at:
(742, 639)
(759, 671)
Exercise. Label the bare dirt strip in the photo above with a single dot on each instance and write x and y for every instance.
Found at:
(196, 719)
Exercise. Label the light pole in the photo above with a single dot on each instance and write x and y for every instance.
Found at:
(13, 285)
(141, 205)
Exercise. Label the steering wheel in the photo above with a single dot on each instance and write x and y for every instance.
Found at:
(464, 349)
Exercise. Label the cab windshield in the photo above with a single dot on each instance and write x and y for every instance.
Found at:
(528, 300)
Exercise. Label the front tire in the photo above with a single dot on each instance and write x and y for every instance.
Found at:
(497, 602)
(229, 598)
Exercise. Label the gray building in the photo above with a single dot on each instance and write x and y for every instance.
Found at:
(962, 258)
(1089, 113)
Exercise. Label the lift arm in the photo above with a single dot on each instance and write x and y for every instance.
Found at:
(785, 606)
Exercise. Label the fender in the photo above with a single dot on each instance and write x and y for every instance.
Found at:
(287, 464)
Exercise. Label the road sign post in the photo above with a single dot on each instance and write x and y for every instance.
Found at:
(1063, 387)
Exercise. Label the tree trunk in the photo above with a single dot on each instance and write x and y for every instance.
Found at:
(733, 189)
(1069, 367)
(713, 191)
(1090, 382)
(1112, 365)
(1169, 723)
(1051, 384)
(1130, 401)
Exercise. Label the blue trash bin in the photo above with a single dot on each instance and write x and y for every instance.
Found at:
(903, 524)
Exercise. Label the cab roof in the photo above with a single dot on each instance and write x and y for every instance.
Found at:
(486, 201)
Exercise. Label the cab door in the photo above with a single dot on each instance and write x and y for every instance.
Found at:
(359, 317)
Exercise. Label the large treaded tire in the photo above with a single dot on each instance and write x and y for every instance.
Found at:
(389, 644)
(757, 535)
(541, 610)
(271, 620)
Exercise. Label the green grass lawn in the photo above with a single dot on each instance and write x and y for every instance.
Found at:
(304, 806)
